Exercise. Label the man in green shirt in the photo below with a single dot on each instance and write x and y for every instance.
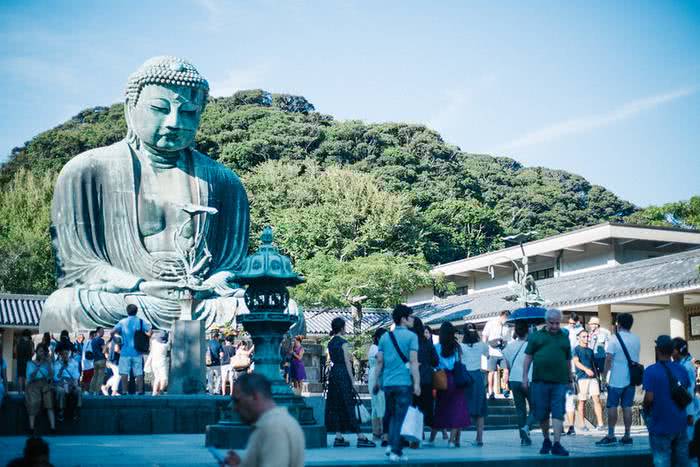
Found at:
(549, 351)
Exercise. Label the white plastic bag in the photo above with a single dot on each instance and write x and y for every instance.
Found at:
(361, 412)
(412, 426)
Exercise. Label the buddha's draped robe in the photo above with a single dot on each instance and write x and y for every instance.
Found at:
(100, 257)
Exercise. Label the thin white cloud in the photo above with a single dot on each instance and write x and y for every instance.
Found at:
(236, 79)
(214, 11)
(583, 124)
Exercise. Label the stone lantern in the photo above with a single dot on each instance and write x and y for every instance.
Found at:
(267, 274)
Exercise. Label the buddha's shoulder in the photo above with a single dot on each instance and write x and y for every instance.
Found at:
(105, 157)
(203, 161)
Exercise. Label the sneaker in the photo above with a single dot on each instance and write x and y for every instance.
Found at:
(571, 431)
(365, 443)
(492, 396)
(546, 446)
(395, 458)
(626, 440)
(341, 443)
(104, 390)
(506, 394)
(558, 450)
(525, 438)
(607, 441)
(601, 428)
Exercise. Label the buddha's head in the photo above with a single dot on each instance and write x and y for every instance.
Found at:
(165, 99)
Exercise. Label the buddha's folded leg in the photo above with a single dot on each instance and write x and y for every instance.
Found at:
(79, 309)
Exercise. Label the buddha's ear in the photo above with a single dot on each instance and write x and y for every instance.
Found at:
(127, 114)
(131, 136)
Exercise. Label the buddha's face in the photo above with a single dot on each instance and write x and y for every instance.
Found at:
(166, 118)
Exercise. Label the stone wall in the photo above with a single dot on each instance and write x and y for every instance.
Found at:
(124, 414)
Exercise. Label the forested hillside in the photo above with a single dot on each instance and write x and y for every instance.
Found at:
(362, 208)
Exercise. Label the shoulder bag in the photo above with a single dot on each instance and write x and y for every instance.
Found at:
(679, 394)
(141, 339)
(636, 369)
(461, 376)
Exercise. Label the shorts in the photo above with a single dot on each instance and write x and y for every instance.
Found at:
(494, 362)
(127, 364)
(548, 398)
(160, 372)
(228, 373)
(620, 397)
(38, 393)
(588, 387)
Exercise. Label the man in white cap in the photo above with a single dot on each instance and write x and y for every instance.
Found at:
(597, 340)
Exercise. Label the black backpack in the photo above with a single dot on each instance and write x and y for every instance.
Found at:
(141, 340)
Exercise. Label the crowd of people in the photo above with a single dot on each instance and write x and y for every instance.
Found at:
(550, 370)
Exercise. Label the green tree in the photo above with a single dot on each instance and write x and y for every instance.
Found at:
(26, 264)
(334, 211)
(384, 278)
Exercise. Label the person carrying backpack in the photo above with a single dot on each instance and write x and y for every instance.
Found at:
(622, 362)
(135, 333)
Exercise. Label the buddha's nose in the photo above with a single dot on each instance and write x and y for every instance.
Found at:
(172, 121)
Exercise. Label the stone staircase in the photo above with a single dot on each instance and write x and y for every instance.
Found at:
(501, 415)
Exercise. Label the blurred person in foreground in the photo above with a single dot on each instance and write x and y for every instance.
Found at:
(277, 439)
(36, 454)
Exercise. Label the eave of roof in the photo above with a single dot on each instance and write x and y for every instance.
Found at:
(598, 232)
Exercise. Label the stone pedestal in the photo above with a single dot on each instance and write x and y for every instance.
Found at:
(266, 330)
(187, 370)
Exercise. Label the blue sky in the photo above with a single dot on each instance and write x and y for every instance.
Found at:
(609, 90)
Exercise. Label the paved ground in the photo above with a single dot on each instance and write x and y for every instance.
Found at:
(182, 450)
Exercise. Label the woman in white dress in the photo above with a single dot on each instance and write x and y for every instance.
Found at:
(158, 361)
(378, 402)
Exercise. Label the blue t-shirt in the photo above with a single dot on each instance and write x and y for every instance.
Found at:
(214, 348)
(96, 345)
(666, 417)
(127, 328)
(585, 356)
(229, 351)
(396, 372)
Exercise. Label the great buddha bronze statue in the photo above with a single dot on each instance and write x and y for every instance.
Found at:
(148, 220)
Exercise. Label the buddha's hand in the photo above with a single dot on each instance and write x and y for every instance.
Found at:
(164, 290)
(220, 284)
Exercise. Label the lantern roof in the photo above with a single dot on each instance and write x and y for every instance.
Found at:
(268, 265)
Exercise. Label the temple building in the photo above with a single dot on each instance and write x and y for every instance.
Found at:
(651, 272)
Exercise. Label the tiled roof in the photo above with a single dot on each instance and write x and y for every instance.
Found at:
(21, 310)
(656, 276)
(318, 321)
